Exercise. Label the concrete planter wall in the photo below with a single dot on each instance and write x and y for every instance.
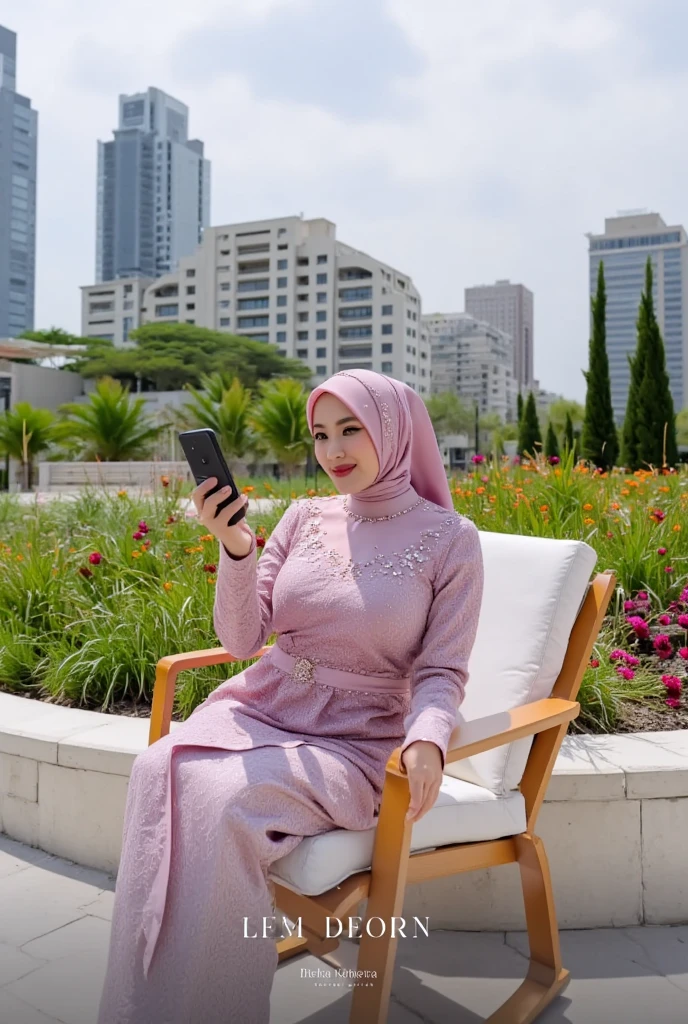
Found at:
(615, 821)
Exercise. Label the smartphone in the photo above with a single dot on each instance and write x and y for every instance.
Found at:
(205, 458)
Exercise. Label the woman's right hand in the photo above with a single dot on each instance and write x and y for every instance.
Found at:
(237, 539)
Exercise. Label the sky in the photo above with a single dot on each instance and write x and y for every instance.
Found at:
(459, 142)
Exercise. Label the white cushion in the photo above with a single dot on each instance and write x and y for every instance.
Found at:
(534, 588)
(463, 813)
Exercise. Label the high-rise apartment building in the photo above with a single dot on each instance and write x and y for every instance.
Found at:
(509, 307)
(153, 197)
(18, 138)
(473, 360)
(624, 248)
(287, 281)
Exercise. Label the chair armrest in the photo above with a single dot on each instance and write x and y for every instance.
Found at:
(496, 730)
(166, 672)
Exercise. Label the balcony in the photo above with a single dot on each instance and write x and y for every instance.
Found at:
(253, 267)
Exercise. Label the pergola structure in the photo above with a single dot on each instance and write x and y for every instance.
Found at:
(24, 348)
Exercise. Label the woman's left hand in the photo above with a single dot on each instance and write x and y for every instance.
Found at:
(423, 763)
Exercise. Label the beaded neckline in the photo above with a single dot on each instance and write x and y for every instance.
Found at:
(376, 519)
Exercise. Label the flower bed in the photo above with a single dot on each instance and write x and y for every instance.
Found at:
(95, 590)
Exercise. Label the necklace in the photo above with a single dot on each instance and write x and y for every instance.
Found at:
(375, 519)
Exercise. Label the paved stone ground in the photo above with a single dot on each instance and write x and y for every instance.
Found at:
(54, 933)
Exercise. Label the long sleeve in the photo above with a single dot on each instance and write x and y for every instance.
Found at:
(440, 671)
(242, 612)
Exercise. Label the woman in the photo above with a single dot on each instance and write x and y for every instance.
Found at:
(374, 594)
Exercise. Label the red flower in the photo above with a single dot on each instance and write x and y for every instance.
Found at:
(209, 568)
(171, 519)
(260, 542)
(138, 535)
(594, 663)
(143, 526)
(85, 571)
(663, 647)
(673, 702)
(95, 558)
(657, 515)
(668, 568)
(477, 459)
(661, 551)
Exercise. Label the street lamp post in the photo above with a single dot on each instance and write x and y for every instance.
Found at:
(477, 427)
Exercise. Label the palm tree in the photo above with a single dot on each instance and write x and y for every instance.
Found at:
(25, 432)
(280, 420)
(223, 406)
(110, 427)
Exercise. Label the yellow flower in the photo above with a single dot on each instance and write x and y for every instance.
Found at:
(168, 533)
(55, 572)
(676, 528)
(121, 494)
(136, 554)
(587, 507)
(207, 536)
(211, 579)
(20, 557)
(167, 586)
(29, 544)
(72, 550)
(189, 551)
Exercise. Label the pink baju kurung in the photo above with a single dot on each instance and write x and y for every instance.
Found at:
(271, 757)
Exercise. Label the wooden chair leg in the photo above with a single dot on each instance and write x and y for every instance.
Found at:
(546, 977)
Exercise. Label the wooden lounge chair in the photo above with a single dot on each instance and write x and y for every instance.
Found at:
(540, 616)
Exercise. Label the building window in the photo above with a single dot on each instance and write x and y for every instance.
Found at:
(169, 309)
(302, 353)
(281, 336)
(253, 321)
(224, 321)
(387, 310)
(321, 370)
(281, 282)
(387, 346)
(281, 300)
(303, 318)
(191, 289)
(387, 328)
(224, 304)
(302, 261)
(322, 259)
(321, 334)
(281, 318)
(281, 264)
(322, 296)
(224, 287)
(356, 332)
(302, 335)
(190, 305)
(355, 313)
(191, 273)
(321, 315)
(302, 281)
(321, 353)
(253, 303)
(224, 269)
(321, 279)
(386, 367)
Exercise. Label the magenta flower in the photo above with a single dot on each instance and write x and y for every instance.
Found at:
(661, 551)
(665, 620)
(683, 621)
(639, 626)
(641, 595)
(632, 661)
(629, 606)
(673, 684)
(668, 568)
(95, 558)
(673, 702)
(143, 527)
(625, 673)
(617, 655)
(138, 535)
(477, 458)
(684, 595)
(683, 653)
(663, 647)
(554, 460)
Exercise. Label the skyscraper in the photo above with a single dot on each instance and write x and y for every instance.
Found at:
(509, 307)
(624, 246)
(18, 135)
(153, 189)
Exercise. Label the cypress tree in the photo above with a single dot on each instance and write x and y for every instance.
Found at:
(599, 440)
(519, 407)
(656, 425)
(551, 442)
(637, 363)
(568, 433)
(529, 428)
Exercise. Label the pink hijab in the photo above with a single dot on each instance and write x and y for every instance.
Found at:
(401, 431)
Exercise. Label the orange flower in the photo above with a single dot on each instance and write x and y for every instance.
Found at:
(615, 505)
(211, 579)
(664, 489)
(676, 528)
(55, 572)
(625, 491)
(136, 554)
(587, 507)
(457, 490)
(72, 550)
(492, 498)
(480, 490)
(29, 544)
(20, 557)
(588, 521)
(167, 554)
(167, 586)
(248, 490)
(544, 508)
(121, 494)
(207, 536)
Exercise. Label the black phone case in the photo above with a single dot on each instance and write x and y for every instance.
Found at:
(205, 458)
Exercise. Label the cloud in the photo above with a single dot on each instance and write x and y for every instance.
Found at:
(458, 142)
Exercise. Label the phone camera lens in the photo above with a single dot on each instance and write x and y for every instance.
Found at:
(204, 461)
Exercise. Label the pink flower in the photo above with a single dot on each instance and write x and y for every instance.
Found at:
(617, 655)
(683, 653)
(673, 684)
(684, 595)
(138, 535)
(554, 460)
(95, 558)
(663, 647)
(668, 568)
(626, 673)
(661, 551)
(673, 702)
(665, 620)
(683, 621)
(632, 660)
(629, 606)
(478, 459)
(485, 479)
(143, 527)
(639, 626)
(641, 595)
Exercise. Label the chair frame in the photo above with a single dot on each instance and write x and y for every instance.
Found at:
(394, 867)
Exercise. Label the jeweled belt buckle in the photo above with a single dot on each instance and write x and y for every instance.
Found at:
(303, 670)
